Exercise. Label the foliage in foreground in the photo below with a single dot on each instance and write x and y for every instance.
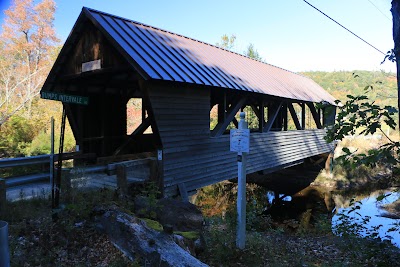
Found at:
(359, 116)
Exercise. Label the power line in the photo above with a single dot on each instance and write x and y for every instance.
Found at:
(379, 10)
(345, 28)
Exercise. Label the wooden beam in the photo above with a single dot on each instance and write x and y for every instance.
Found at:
(303, 116)
(261, 119)
(183, 192)
(222, 109)
(230, 114)
(147, 103)
(234, 120)
(73, 123)
(260, 115)
(294, 116)
(315, 115)
(285, 117)
(143, 111)
(271, 120)
(139, 130)
(256, 110)
(142, 127)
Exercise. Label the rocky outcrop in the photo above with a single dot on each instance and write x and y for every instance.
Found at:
(182, 216)
(136, 240)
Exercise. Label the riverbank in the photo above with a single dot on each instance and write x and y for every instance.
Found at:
(72, 238)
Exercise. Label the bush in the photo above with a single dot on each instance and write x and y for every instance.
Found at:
(41, 144)
(15, 135)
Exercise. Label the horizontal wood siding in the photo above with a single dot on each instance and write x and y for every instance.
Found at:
(192, 157)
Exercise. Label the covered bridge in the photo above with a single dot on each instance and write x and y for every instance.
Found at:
(183, 85)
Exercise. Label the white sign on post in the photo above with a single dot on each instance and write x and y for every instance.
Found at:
(240, 143)
(240, 140)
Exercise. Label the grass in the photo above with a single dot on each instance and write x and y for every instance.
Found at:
(281, 247)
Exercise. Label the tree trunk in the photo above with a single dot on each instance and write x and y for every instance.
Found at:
(396, 38)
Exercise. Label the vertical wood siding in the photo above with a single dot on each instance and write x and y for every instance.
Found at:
(192, 157)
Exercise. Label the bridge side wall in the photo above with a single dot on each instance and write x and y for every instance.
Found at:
(191, 156)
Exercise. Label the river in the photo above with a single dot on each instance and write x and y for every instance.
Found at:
(371, 216)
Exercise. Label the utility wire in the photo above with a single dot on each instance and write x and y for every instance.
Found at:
(345, 28)
(379, 10)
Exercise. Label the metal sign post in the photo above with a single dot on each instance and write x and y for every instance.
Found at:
(240, 143)
(52, 158)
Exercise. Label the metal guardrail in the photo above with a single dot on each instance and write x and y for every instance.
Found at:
(45, 159)
(27, 161)
(27, 179)
(24, 161)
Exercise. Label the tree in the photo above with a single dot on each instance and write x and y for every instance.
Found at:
(359, 115)
(251, 52)
(396, 38)
(227, 42)
(27, 45)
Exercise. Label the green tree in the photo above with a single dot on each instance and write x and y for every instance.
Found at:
(227, 42)
(359, 115)
(251, 52)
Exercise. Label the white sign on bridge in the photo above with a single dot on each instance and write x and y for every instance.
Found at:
(240, 140)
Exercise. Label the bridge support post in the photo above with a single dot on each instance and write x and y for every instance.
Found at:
(3, 197)
(122, 182)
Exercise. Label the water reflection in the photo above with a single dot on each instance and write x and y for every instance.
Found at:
(369, 206)
(319, 200)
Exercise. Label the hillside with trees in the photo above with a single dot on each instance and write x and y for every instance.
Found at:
(343, 83)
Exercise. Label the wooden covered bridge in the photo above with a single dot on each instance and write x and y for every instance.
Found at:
(183, 84)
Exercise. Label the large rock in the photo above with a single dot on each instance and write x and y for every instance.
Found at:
(182, 216)
(134, 238)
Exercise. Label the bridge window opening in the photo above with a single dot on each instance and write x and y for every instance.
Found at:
(135, 116)
(311, 123)
(251, 118)
(218, 116)
(294, 117)
(213, 117)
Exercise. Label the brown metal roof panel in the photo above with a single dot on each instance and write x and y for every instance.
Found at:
(192, 61)
(125, 45)
(212, 61)
(212, 54)
(179, 66)
(168, 56)
(187, 67)
(151, 51)
(159, 49)
(146, 54)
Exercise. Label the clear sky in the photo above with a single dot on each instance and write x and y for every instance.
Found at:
(287, 33)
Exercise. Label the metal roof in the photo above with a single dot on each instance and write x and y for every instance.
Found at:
(161, 55)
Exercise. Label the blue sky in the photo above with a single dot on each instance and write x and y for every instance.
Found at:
(289, 34)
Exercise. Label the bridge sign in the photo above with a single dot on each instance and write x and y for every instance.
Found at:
(72, 99)
(240, 140)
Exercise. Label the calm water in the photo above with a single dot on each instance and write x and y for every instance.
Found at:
(369, 206)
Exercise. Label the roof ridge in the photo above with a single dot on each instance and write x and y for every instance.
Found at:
(190, 38)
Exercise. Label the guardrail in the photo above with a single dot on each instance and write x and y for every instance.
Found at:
(12, 181)
(31, 178)
(110, 169)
